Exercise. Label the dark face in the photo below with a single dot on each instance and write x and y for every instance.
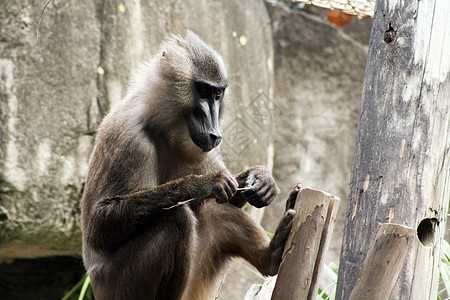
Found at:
(203, 120)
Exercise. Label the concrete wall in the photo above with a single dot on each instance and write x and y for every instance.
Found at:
(51, 105)
(319, 72)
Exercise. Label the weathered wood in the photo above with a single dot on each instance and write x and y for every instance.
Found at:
(261, 291)
(384, 262)
(401, 162)
(325, 240)
(307, 242)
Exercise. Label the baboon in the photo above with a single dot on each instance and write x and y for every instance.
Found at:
(161, 214)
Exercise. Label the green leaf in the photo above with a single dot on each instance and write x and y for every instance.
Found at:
(445, 267)
(86, 284)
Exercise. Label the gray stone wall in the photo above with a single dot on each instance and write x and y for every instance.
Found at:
(319, 72)
(51, 105)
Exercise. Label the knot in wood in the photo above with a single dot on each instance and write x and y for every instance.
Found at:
(389, 34)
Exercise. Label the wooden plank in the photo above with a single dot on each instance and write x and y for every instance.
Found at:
(384, 262)
(324, 244)
(309, 236)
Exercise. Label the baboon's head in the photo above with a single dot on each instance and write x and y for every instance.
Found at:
(197, 76)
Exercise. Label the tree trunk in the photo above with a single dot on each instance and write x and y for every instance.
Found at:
(401, 162)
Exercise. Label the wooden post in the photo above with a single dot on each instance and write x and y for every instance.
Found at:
(384, 262)
(401, 160)
(307, 242)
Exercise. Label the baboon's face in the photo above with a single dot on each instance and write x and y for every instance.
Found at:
(197, 78)
(203, 120)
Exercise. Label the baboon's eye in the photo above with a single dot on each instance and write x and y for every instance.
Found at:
(219, 94)
(204, 90)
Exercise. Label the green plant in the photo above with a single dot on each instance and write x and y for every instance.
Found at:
(445, 271)
(331, 273)
(81, 291)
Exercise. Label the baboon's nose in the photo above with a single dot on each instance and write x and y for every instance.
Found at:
(215, 139)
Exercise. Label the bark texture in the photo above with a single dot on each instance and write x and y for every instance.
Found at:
(401, 162)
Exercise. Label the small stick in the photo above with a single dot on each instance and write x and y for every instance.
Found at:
(243, 188)
(192, 199)
(179, 204)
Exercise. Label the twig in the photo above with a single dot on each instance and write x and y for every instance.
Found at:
(179, 203)
(39, 27)
(192, 199)
(243, 188)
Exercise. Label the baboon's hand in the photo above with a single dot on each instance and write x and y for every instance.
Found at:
(260, 187)
(290, 202)
(223, 186)
(277, 244)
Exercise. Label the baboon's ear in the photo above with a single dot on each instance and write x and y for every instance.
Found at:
(166, 56)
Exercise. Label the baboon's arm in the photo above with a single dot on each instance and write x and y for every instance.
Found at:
(126, 214)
